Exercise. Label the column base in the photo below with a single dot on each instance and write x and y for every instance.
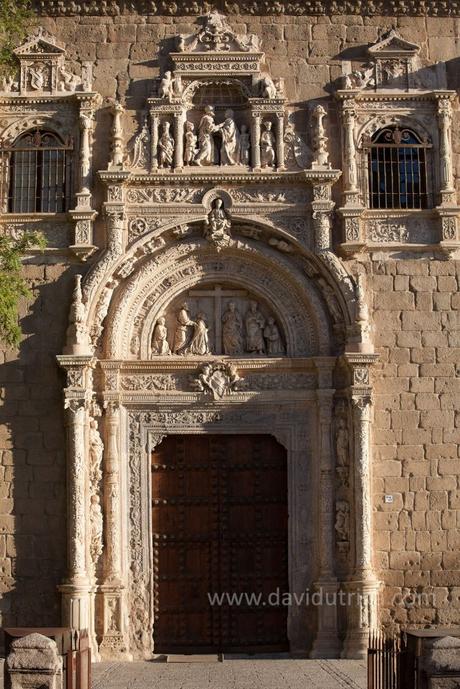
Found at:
(327, 643)
(76, 604)
(362, 616)
(110, 617)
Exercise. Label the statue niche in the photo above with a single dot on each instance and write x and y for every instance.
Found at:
(216, 320)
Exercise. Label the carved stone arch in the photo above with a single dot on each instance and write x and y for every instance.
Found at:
(392, 119)
(191, 89)
(338, 280)
(21, 125)
(157, 281)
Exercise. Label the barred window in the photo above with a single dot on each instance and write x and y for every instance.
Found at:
(39, 173)
(398, 169)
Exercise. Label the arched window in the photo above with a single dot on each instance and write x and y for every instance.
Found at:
(398, 169)
(40, 174)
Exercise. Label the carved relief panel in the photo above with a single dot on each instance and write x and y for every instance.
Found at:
(217, 319)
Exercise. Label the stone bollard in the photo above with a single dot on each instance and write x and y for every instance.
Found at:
(33, 663)
(441, 663)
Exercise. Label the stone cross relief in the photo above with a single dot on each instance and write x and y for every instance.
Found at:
(224, 321)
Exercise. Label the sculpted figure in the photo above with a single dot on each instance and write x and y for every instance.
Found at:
(217, 222)
(255, 323)
(165, 89)
(232, 330)
(180, 336)
(200, 341)
(341, 443)
(206, 149)
(166, 147)
(160, 344)
(190, 143)
(342, 521)
(97, 526)
(245, 145)
(139, 154)
(268, 88)
(267, 145)
(273, 337)
(230, 148)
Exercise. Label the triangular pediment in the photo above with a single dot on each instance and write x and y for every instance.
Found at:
(393, 45)
(40, 43)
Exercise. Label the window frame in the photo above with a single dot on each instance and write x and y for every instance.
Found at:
(37, 197)
(423, 143)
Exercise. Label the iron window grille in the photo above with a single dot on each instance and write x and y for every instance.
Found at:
(398, 169)
(37, 173)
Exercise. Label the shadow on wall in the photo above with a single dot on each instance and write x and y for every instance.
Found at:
(32, 447)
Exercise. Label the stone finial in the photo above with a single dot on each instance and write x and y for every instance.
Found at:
(320, 152)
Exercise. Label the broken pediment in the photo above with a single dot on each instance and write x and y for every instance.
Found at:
(215, 35)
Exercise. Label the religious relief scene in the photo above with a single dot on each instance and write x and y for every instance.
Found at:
(229, 297)
(216, 319)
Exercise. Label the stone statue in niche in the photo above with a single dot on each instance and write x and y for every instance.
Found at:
(217, 225)
(199, 344)
(255, 324)
(166, 87)
(341, 443)
(273, 338)
(139, 158)
(342, 524)
(230, 148)
(166, 147)
(97, 527)
(245, 145)
(181, 333)
(267, 145)
(190, 143)
(232, 330)
(160, 346)
(206, 149)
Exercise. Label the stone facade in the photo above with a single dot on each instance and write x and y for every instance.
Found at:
(355, 373)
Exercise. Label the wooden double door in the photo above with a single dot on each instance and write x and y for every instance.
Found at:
(220, 528)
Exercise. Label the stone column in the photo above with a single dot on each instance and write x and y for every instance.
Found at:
(255, 141)
(445, 151)
(86, 133)
(76, 587)
(326, 644)
(362, 587)
(322, 208)
(115, 228)
(179, 120)
(350, 167)
(154, 128)
(111, 608)
(280, 142)
(116, 162)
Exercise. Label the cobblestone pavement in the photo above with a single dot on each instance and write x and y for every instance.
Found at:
(232, 674)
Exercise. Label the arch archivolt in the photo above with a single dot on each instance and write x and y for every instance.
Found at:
(124, 286)
(162, 278)
(391, 119)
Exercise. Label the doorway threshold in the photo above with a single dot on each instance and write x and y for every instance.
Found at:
(194, 658)
(257, 656)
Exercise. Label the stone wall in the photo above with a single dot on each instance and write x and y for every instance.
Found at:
(416, 438)
(415, 314)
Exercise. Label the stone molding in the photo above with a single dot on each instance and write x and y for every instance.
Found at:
(435, 8)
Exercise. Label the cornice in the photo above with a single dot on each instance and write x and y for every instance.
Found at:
(176, 364)
(31, 98)
(367, 95)
(219, 176)
(414, 8)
